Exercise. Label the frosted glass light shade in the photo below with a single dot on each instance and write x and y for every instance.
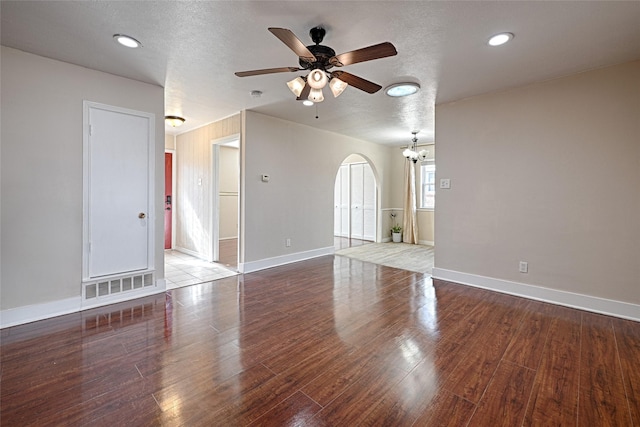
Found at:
(316, 95)
(337, 86)
(317, 79)
(296, 85)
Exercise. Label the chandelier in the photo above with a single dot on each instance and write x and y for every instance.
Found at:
(412, 153)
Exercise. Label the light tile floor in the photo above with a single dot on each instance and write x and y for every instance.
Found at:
(181, 269)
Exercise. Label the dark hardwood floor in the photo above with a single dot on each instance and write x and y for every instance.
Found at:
(228, 253)
(330, 341)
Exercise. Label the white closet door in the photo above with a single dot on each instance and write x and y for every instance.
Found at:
(357, 201)
(369, 203)
(344, 201)
(336, 205)
(118, 211)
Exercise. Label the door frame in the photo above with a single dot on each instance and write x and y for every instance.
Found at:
(214, 226)
(86, 171)
(173, 153)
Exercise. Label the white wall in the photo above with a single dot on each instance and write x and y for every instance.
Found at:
(297, 202)
(549, 174)
(42, 172)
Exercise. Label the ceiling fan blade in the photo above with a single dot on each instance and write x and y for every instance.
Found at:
(357, 82)
(267, 71)
(305, 92)
(287, 37)
(376, 51)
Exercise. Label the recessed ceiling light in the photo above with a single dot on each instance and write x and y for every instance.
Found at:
(307, 102)
(500, 39)
(127, 41)
(402, 89)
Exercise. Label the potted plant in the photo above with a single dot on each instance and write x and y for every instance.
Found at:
(396, 230)
(396, 233)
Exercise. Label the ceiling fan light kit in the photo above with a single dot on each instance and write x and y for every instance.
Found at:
(337, 86)
(296, 85)
(316, 95)
(318, 59)
(317, 79)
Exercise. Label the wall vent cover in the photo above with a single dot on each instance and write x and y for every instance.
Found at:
(117, 285)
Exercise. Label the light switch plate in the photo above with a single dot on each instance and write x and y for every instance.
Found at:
(445, 183)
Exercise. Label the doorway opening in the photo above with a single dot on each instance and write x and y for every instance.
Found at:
(355, 203)
(225, 197)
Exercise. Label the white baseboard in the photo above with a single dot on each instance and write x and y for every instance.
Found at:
(569, 299)
(190, 252)
(426, 242)
(32, 313)
(248, 267)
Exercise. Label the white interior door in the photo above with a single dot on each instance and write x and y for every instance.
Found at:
(344, 201)
(118, 207)
(357, 201)
(368, 203)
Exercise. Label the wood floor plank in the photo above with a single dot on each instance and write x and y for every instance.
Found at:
(505, 400)
(296, 410)
(446, 410)
(526, 347)
(628, 340)
(484, 352)
(602, 396)
(554, 397)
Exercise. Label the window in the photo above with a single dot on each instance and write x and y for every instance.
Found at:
(427, 184)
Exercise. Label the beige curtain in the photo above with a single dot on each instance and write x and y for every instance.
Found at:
(410, 222)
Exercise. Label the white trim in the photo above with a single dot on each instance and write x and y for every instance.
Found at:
(173, 153)
(32, 313)
(569, 299)
(249, 267)
(426, 242)
(192, 253)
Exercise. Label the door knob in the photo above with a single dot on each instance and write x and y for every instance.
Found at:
(142, 215)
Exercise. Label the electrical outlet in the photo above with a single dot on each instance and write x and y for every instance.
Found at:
(445, 183)
(287, 243)
(524, 267)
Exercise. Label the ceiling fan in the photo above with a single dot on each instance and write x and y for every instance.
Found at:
(319, 59)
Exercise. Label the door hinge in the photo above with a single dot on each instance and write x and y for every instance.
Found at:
(90, 130)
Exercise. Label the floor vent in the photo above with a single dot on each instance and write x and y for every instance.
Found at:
(117, 285)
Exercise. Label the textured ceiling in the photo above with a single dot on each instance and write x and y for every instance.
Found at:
(192, 49)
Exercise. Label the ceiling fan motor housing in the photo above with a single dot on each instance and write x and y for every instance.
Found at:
(322, 54)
